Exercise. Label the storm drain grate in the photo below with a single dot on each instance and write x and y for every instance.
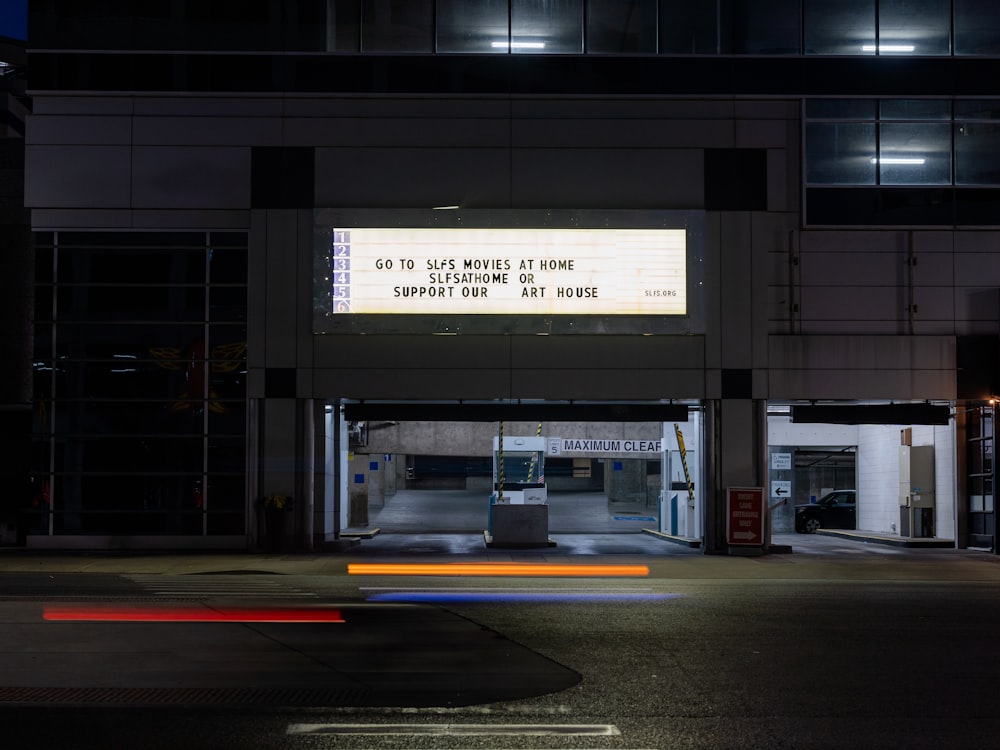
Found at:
(297, 697)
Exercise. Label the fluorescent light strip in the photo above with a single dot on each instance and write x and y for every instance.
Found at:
(896, 160)
(888, 48)
(518, 45)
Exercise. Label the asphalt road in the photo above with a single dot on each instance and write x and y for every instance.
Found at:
(838, 645)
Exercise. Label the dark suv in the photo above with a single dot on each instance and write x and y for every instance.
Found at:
(835, 510)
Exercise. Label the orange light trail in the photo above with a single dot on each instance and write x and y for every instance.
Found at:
(116, 613)
(497, 569)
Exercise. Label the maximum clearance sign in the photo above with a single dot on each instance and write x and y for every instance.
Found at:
(557, 446)
(491, 271)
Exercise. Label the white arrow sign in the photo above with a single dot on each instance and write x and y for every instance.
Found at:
(748, 535)
(781, 489)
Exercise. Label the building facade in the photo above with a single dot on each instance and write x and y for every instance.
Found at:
(832, 167)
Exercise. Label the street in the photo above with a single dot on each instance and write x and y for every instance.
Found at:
(835, 645)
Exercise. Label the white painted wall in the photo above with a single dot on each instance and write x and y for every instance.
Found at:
(878, 467)
(782, 431)
(878, 478)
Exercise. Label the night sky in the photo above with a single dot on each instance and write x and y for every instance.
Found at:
(14, 18)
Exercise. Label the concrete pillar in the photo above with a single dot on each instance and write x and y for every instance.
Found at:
(736, 449)
(357, 490)
(625, 480)
(16, 340)
(288, 445)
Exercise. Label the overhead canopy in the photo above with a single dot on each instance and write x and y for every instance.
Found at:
(503, 411)
(871, 414)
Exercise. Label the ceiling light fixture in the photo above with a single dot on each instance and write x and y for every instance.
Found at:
(518, 45)
(888, 48)
(895, 160)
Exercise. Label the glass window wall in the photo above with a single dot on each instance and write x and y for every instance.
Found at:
(839, 27)
(675, 27)
(688, 28)
(397, 25)
(976, 135)
(977, 27)
(907, 142)
(140, 384)
(545, 26)
(621, 26)
(762, 27)
(473, 25)
(914, 27)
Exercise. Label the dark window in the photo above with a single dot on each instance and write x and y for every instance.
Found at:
(977, 27)
(840, 153)
(688, 28)
(473, 25)
(736, 179)
(621, 26)
(839, 27)
(554, 26)
(762, 27)
(914, 27)
(397, 25)
(976, 133)
(136, 364)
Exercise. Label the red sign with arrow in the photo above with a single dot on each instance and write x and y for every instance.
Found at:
(745, 516)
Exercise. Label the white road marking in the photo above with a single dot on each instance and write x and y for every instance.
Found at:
(533, 730)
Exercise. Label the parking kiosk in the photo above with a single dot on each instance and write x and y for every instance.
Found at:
(518, 510)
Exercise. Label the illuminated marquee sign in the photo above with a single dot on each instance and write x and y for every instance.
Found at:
(491, 271)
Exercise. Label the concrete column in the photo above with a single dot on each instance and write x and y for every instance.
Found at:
(287, 446)
(357, 490)
(626, 486)
(736, 448)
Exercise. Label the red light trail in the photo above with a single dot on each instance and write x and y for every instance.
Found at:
(119, 613)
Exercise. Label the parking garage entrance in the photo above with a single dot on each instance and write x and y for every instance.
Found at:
(418, 468)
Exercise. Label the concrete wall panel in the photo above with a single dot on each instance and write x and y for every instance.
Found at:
(760, 134)
(191, 177)
(607, 178)
(294, 107)
(403, 132)
(666, 109)
(412, 352)
(408, 383)
(412, 178)
(82, 105)
(851, 384)
(851, 305)
(734, 295)
(619, 352)
(76, 130)
(610, 384)
(77, 176)
(843, 352)
(855, 269)
(869, 367)
(636, 133)
(207, 131)
(978, 268)
(210, 106)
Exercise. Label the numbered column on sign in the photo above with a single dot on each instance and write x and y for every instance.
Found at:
(340, 269)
